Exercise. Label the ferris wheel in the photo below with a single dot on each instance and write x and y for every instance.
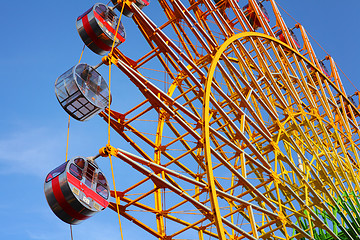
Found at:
(248, 135)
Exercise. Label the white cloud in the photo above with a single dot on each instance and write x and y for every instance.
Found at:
(34, 152)
(91, 229)
(45, 236)
(31, 151)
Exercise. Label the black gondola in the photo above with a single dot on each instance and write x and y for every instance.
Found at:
(97, 28)
(76, 190)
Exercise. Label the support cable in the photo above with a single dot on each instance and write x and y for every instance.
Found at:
(320, 47)
(68, 130)
(117, 201)
(71, 232)
(67, 137)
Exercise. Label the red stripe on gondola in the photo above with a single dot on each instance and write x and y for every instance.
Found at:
(92, 35)
(87, 191)
(147, 3)
(59, 196)
(282, 38)
(265, 16)
(108, 27)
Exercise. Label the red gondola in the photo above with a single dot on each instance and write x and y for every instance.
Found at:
(127, 12)
(279, 34)
(354, 99)
(97, 28)
(76, 190)
(324, 69)
(251, 15)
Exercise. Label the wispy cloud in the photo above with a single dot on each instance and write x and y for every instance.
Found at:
(34, 152)
(30, 151)
(91, 230)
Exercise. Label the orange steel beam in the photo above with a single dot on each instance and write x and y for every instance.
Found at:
(135, 221)
(131, 159)
(259, 79)
(158, 168)
(280, 21)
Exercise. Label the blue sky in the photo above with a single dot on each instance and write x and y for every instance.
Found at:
(39, 42)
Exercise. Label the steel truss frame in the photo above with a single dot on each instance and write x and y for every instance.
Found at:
(251, 140)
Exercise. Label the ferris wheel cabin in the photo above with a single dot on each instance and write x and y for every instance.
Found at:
(82, 92)
(127, 12)
(324, 69)
(76, 190)
(279, 34)
(251, 15)
(97, 28)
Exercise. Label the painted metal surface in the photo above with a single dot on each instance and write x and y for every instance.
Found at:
(262, 114)
(127, 11)
(82, 92)
(75, 192)
(248, 139)
(97, 28)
